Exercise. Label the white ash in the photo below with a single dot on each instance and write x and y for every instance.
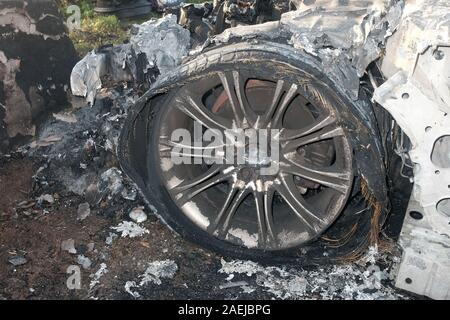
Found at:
(371, 256)
(233, 284)
(355, 281)
(65, 117)
(90, 246)
(48, 198)
(128, 286)
(168, 3)
(129, 194)
(85, 79)
(163, 41)
(158, 270)
(110, 238)
(130, 229)
(97, 275)
(84, 261)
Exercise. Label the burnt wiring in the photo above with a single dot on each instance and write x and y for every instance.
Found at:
(402, 149)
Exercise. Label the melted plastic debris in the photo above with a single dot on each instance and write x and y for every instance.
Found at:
(97, 275)
(155, 47)
(363, 281)
(163, 41)
(130, 229)
(85, 79)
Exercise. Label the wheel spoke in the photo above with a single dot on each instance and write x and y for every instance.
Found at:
(289, 192)
(234, 86)
(282, 105)
(339, 180)
(171, 144)
(187, 190)
(264, 201)
(195, 109)
(191, 151)
(235, 196)
(191, 155)
(290, 134)
(323, 134)
(207, 159)
(265, 120)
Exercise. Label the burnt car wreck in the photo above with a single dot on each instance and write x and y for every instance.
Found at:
(350, 97)
(328, 53)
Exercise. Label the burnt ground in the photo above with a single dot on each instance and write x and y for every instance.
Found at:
(36, 233)
(43, 184)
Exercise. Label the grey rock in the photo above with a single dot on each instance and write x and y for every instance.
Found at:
(18, 261)
(83, 211)
(138, 215)
(69, 246)
(48, 198)
(84, 261)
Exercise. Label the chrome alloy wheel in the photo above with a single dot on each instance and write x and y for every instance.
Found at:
(236, 202)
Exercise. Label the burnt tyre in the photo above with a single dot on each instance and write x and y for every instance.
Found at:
(314, 190)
